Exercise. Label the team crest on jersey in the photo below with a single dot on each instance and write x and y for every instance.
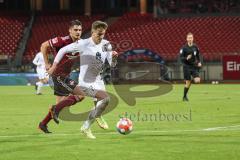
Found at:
(107, 47)
(98, 56)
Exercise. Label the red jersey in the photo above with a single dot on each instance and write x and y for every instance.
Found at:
(65, 65)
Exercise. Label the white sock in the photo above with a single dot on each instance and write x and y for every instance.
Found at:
(99, 109)
(87, 124)
(96, 112)
(46, 84)
(37, 83)
(39, 88)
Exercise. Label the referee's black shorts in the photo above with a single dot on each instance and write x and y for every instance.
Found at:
(63, 86)
(190, 71)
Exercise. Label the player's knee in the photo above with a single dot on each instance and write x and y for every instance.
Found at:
(197, 80)
(187, 84)
(75, 98)
(80, 98)
(45, 81)
(106, 101)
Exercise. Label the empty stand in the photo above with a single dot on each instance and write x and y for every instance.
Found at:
(11, 30)
(215, 36)
(47, 26)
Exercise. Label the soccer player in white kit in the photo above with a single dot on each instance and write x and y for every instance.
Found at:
(93, 51)
(41, 72)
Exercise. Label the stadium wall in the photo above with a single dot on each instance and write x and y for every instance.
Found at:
(149, 72)
(209, 71)
(9, 79)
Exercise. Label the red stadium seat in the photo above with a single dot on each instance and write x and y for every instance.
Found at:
(218, 35)
(47, 26)
(11, 29)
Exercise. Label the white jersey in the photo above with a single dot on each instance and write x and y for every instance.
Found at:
(92, 59)
(39, 61)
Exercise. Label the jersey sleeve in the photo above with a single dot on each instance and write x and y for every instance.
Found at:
(198, 54)
(108, 48)
(109, 58)
(56, 42)
(71, 48)
(112, 61)
(182, 55)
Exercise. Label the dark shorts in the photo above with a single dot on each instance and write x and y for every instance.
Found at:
(190, 71)
(63, 86)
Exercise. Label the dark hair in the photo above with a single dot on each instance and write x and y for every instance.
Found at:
(99, 24)
(75, 22)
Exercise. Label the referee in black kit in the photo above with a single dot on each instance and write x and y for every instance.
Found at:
(190, 58)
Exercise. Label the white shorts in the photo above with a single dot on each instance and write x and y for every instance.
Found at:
(42, 74)
(90, 89)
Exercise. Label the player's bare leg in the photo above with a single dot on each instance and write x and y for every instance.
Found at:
(197, 80)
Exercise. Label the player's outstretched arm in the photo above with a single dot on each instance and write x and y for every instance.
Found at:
(183, 57)
(71, 48)
(112, 58)
(198, 58)
(45, 46)
(52, 69)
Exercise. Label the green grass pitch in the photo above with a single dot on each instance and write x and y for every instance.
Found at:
(207, 127)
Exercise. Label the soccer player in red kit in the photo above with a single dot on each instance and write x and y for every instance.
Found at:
(63, 85)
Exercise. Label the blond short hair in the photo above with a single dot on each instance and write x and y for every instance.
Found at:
(99, 24)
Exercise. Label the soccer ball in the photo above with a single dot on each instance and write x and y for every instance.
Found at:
(124, 126)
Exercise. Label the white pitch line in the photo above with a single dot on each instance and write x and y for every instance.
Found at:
(226, 128)
(220, 128)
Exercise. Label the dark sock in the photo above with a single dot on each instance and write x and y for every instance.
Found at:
(46, 119)
(185, 91)
(69, 101)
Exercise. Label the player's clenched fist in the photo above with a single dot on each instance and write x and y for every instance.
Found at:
(114, 54)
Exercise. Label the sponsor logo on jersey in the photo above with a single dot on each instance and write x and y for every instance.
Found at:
(107, 47)
(98, 56)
